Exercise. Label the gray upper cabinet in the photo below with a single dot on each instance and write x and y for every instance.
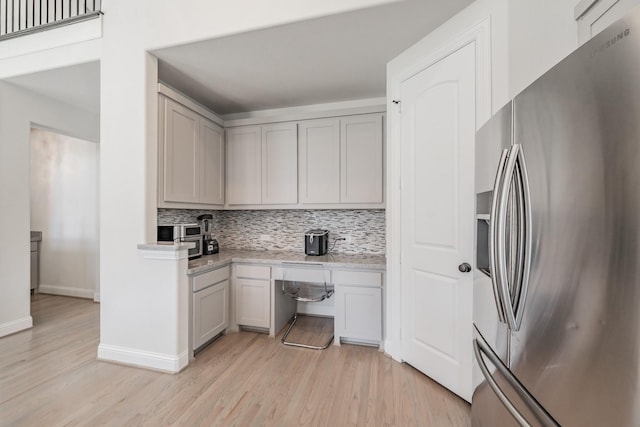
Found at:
(212, 137)
(319, 160)
(361, 159)
(181, 151)
(262, 165)
(279, 164)
(341, 161)
(244, 165)
(324, 163)
(191, 158)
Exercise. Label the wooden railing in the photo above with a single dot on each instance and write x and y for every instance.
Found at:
(20, 17)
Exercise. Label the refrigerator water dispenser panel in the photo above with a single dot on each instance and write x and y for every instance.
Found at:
(482, 241)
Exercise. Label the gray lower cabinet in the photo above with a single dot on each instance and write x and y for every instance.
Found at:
(358, 315)
(210, 305)
(259, 303)
(252, 286)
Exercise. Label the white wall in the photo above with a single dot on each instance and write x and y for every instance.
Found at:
(194, 20)
(64, 206)
(37, 52)
(541, 33)
(19, 111)
(497, 12)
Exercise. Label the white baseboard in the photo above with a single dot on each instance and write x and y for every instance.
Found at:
(14, 326)
(65, 291)
(144, 359)
(96, 297)
(390, 348)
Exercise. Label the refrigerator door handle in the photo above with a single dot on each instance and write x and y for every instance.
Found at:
(493, 236)
(500, 221)
(525, 240)
(540, 413)
(515, 174)
(520, 234)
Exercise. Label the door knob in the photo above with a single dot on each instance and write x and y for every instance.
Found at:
(465, 267)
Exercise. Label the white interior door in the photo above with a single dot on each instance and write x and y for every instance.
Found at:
(438, 129)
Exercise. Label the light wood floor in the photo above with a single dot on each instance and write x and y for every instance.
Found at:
(49, 376)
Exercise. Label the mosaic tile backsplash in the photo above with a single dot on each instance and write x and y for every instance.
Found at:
(285, 228)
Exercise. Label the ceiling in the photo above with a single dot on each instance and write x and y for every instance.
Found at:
(330, 59)
(77, 85)
(334, 58)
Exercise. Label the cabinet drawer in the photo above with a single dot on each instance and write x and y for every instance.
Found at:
(253, 271)
(358, 278)
(210, 278)
(313, 275)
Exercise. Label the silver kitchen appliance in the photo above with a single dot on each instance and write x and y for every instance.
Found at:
(180, 233)
(209, 244)
(316, 242)
(557, 288)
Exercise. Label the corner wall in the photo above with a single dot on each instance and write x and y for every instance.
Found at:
(64, 207)
(19, 109)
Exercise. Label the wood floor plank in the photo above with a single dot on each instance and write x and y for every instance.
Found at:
(49, 376)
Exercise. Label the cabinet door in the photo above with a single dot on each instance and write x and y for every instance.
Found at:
(244, 163)
(319, 161)
(210, 312)
(358, 313)
(181, 154)
(253, 302)
(280, 164)
(361, 159)
(212, 163)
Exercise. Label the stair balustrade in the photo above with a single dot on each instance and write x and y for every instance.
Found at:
(22, 17)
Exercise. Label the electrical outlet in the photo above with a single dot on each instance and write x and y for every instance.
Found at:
(347, 238)
(265, 237)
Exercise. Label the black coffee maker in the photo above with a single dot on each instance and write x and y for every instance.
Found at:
(209, 244)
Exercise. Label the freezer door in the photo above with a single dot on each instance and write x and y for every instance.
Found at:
(500, 400)
(578, 348)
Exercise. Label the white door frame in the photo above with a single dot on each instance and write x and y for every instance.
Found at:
(480, 33)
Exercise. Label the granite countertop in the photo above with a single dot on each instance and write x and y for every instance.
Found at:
(209, 262)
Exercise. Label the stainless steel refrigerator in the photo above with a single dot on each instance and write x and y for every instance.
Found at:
(557, 284)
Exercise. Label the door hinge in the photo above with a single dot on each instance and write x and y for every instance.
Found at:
(399, 104)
